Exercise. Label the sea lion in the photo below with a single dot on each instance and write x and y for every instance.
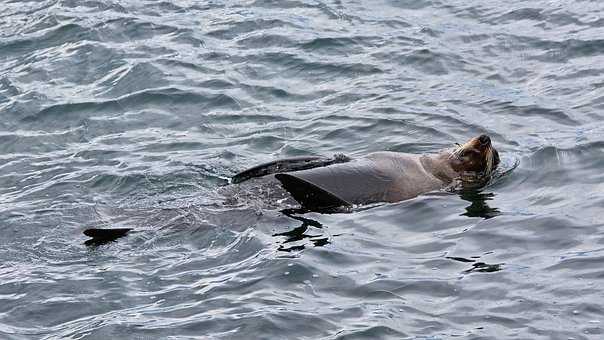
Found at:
(327, 184)
(320, 184)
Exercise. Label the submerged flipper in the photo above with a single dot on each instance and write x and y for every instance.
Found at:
(102, 236)
(287, 165)
(310, 196)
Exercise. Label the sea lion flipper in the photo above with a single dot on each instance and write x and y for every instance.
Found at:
(102, 236)
(310, 196)
(288, 165)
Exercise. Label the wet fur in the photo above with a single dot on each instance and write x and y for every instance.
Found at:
(317, 183)
(489, 156)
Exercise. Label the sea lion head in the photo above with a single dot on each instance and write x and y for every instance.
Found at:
(476, 158)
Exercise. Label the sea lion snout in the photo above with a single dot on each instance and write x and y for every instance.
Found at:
(480, 143)
(484, 140)
(477, 155)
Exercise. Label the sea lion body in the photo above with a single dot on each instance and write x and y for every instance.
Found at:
(326, 184)
(377, 177)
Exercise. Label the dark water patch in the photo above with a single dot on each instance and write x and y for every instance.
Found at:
(338, 46)
(570, 49)
(16, 8)
(584, 263)
(404, 40)
(403, 127)
(39, 142)
(336, 13)
(264, 142)
(350, 97)
(100, 154)
(162, 7)
(554, 115)
(69, 111)
(294, 65)
(552, 51)
(409, 288)
(87, 62)
(128, 80)
(534, 14)
(545, 18)
(175, 146)
(266, 93)
(288, 4)
(162, 97)
(425, 61)
(188, 38)
(148, 186)
(266, 40)
(568, 164)
(94, 6)
(576, 74)
(7, 90)
(454, 124)
(472, 38)
(534, 233)
(241, 119)
(372, 332)
(412, 5)
(401, 226)
(238, 28)
(188, 67)
(37, 22)
(51, 37)
(126, 29)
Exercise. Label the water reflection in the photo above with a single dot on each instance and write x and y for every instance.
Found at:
(478, 206)
(298, 235)
(480, 267)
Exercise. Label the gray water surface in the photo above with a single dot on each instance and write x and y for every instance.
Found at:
(131, 114)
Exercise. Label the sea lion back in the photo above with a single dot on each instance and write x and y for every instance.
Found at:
(408, 177)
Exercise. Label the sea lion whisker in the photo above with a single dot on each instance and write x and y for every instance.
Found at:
(490, 160)
(460, 149)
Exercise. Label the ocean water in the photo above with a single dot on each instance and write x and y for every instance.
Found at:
(132, 114)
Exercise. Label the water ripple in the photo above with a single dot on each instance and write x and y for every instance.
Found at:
(126, 114)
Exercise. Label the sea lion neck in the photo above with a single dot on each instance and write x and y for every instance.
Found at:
(440, 166)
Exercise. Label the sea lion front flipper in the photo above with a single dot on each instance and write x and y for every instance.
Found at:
(288, 165)
(355, 182)
(310, 196)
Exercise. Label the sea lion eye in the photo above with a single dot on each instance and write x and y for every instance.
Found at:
(469, 152)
